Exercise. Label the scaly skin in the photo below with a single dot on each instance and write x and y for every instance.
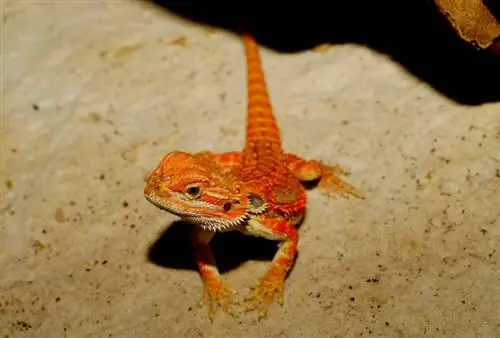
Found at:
(257, 191)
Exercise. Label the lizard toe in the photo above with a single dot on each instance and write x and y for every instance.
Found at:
(263, 295)
(219, 296)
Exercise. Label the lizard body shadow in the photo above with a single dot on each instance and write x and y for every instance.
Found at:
(173, 249)
(412, 33)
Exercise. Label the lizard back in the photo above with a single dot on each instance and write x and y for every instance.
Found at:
(263, 157)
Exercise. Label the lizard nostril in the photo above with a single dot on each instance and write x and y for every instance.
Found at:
(227, 206)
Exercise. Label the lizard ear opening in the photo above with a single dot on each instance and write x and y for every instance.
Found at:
(255, 201)
(257, 204)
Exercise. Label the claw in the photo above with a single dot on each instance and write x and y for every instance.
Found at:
(338, 170)
(219, 296)
(334, 186)
(263, 295)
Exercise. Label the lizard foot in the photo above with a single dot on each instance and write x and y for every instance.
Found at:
(331, 184)
(219, 295)
(262, 296)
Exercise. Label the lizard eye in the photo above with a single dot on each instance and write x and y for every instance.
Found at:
(193, 191)
(227, 206)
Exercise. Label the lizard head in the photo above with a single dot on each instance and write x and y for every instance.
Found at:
(195, 188)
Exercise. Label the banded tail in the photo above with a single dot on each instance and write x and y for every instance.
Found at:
(261, 123)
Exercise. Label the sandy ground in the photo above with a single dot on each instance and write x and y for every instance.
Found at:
(94, 94)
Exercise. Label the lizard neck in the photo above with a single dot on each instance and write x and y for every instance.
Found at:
(262, 128)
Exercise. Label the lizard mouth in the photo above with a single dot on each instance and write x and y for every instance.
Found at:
(215, 225)
(210, 219)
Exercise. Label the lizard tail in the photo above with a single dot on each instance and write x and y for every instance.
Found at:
(261, 123)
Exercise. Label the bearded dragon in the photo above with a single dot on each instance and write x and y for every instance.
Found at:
(256, 191)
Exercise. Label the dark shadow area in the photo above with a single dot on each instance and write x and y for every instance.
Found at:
(174, 250)
(411, 32)
(493, 7)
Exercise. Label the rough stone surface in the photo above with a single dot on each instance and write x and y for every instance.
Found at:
(94, 94)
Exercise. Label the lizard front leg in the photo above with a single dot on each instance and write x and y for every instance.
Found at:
(329, 181)
(216, 291)
(271, 285)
